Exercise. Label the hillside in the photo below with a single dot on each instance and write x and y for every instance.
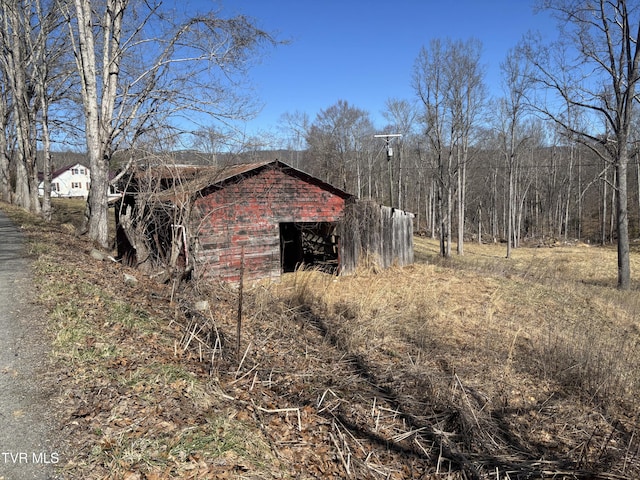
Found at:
(475, 367)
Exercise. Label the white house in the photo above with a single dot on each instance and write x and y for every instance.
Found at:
(69, 181)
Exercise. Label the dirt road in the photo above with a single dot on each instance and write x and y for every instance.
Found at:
(26, 449)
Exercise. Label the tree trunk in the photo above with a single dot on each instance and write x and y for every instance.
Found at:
(98, 202)
(98, 109)
(510, 202)
(493, 212)
(614, 207)
(431, 209)
(568, 200)
(46, 149)
(22, 196)
(479, 224)
(638, 187)
(603, 220)
(16, 64)
(462, 180)
(441, 222)
(624, 269)
(579, 194)
(5, 184)
(449, 221)
(400, 179)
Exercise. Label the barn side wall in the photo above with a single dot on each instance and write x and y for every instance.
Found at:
(244, 217)
(374, 234)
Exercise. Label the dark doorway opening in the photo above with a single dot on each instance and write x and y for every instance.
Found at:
(312, 244)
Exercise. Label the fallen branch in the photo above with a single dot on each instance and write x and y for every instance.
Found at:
(283, 410)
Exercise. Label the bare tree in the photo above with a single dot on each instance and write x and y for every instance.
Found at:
(466, 99)
(210, 141)
(294, 126)
(336, 141)
(401, 116)
(138, 70)
(594, 68)
(49, 79)
(430, 83)
(448, 81)
(30, 64)
(517, 84)
(17, 62)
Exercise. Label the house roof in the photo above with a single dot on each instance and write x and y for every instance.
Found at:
(197, 179)
(60, 171)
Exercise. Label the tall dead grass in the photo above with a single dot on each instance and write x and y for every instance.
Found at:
(491, 336)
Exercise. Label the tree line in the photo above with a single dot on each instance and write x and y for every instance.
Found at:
(552, 157)
(559, 192)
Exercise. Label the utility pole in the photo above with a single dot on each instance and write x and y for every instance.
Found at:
(387, 138)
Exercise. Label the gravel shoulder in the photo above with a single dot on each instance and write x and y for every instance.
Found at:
(27, 449)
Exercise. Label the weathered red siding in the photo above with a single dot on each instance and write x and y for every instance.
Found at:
(246, 213)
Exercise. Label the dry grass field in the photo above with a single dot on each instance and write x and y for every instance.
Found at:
(533, 357)
(471, 367)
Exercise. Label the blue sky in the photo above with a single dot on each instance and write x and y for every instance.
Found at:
(364, 51)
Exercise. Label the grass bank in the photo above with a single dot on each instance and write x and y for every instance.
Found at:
(472, 367)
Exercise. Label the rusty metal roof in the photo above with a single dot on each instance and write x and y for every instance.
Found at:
(196, 178)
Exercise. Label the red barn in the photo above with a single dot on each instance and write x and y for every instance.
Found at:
(267, 216)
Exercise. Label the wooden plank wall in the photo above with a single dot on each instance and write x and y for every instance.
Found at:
(371, 234)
